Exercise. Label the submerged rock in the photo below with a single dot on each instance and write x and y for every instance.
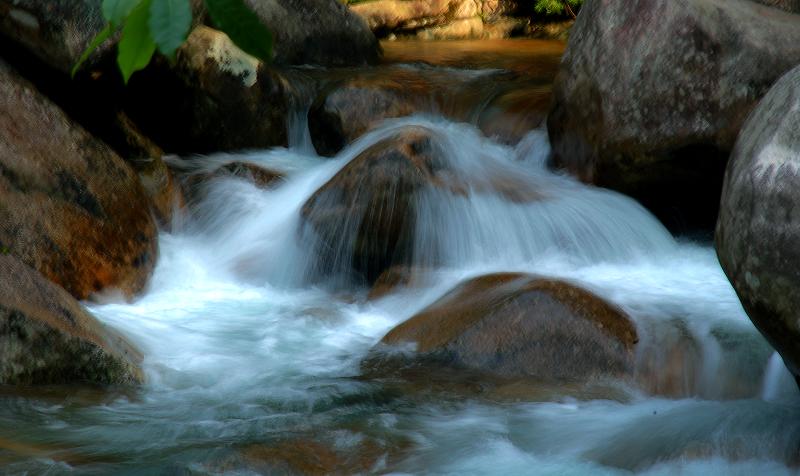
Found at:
(652, 94)
(759, 223)
(513, 325)
(69, 206)
(47, 338)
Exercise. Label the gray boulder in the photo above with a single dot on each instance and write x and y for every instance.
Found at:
(758, 232)
(651, 95)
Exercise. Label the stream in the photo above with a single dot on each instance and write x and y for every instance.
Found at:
(252, 357)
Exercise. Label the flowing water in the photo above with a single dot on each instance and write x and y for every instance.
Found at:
(252, 358)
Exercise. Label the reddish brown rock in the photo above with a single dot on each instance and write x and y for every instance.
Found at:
(69, 206)
(515, 325)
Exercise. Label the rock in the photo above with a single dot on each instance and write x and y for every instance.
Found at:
(57, 31)
(263, 178)
(214, 98)
(346, 110)
(504, 27)
(431, 19)
(759, 221)
(390, 15)
(788, 5)
(393, 278)
(69, 206)
(651, 95)
(467, 28)
(364, 216)
(515, 325)
(47, 338)
(320, 32)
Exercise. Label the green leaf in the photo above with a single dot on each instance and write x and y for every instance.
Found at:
(136, 46)
(98, 40)
(116, 11)
(243, 26)
(170, 21)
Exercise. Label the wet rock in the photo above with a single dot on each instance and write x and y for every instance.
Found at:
(320, 32)
(69, 206)
(513, 325)
(759, 224)
(307, 456)
(651, 95)
(364, 217)
(347, 110)
(669, 360)
(392, 279)
(263, 178)
(47, 338)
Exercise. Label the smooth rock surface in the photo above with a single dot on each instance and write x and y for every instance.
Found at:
(759, 223)
(515, 325)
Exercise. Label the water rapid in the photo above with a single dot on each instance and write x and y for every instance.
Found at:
(247, 347)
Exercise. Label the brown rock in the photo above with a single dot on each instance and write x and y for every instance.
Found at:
(393, 278)
(364, 216)
(69, 206)
(346, 110)
(463, 29)
(47, 338)
(652, 94)
(516, 325)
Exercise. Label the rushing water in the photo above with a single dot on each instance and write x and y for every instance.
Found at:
(248, 350)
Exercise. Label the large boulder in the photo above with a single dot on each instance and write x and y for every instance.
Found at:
(759, 222)
(652, 94)
(69, 206)
(320, 32)
(512, 326)
(46, 337)
(364, 217)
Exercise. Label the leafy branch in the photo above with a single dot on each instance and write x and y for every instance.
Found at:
(164, 25)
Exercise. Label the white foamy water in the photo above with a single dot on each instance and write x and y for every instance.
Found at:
(244, 346)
